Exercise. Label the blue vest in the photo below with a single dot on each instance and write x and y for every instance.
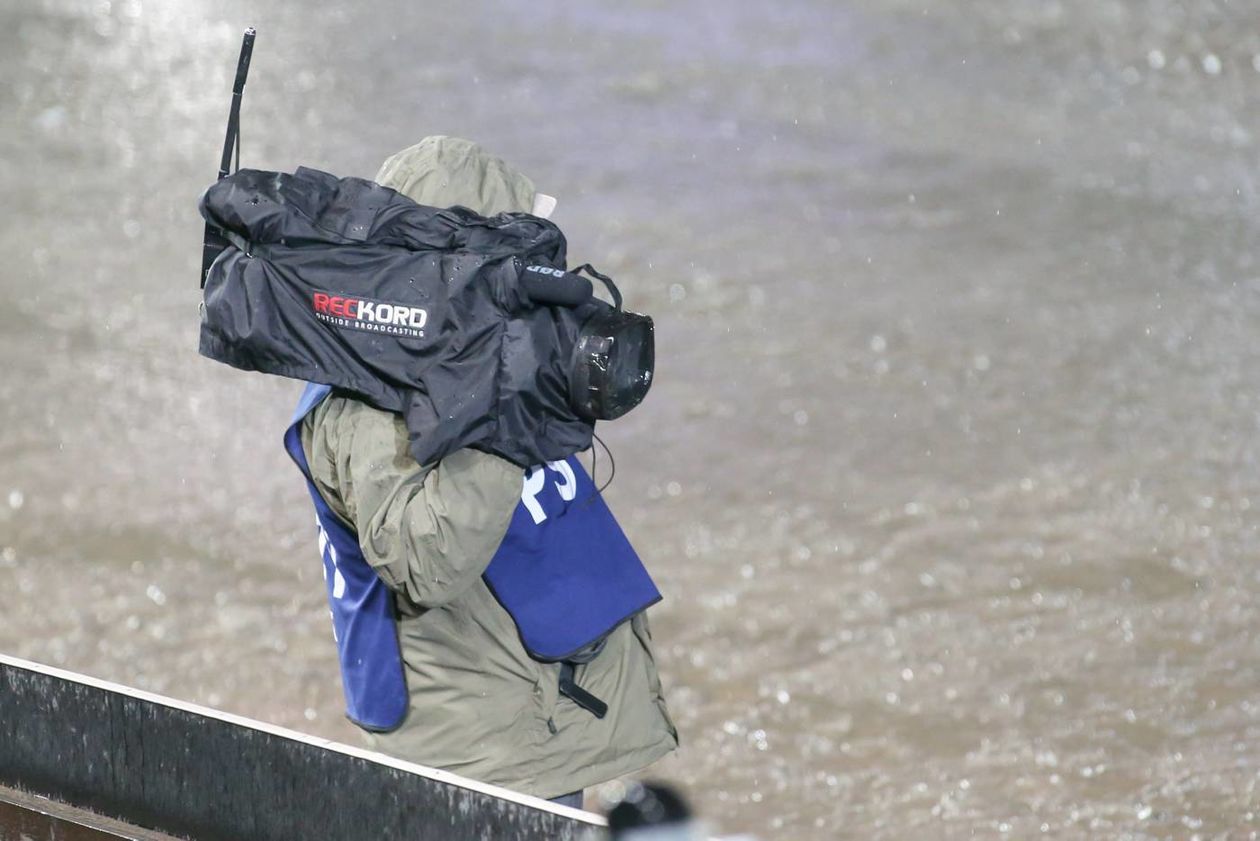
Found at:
(362, 606)
(565, 573)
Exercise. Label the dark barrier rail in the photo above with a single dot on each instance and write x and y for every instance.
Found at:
(25, 817)
(189, 771)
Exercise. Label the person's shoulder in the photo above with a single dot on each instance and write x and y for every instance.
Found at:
(344, 410)
(343, 424)
(341, 419)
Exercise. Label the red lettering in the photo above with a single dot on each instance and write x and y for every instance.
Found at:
(321, 302)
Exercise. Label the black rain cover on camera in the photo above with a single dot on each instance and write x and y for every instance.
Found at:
(414, 309)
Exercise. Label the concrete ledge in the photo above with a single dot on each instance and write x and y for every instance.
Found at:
(25, 817)
(190, 771)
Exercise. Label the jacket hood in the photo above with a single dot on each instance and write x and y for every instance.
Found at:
(442, 171)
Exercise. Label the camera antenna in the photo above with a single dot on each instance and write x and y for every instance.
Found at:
(214, 241)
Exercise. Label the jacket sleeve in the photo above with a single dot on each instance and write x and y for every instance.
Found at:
(429, 532)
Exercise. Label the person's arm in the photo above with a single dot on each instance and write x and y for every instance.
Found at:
(429, 531)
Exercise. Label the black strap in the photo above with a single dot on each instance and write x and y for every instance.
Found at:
(578, 695)
(603, 278)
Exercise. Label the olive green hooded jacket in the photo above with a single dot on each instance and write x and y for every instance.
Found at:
(480, 706)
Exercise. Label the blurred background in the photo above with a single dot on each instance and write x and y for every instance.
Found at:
(949, 470)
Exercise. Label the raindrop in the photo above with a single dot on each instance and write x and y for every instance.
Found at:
(16, 499)
(51, 119)
(1211, 64)
(1156, 60)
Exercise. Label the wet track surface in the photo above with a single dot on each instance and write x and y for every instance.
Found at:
(949, 471)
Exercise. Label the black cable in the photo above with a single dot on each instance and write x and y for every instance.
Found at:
(594, 462)
(594, 470)
(612, 460)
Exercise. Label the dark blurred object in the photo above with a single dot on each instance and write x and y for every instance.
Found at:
(652, 812)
